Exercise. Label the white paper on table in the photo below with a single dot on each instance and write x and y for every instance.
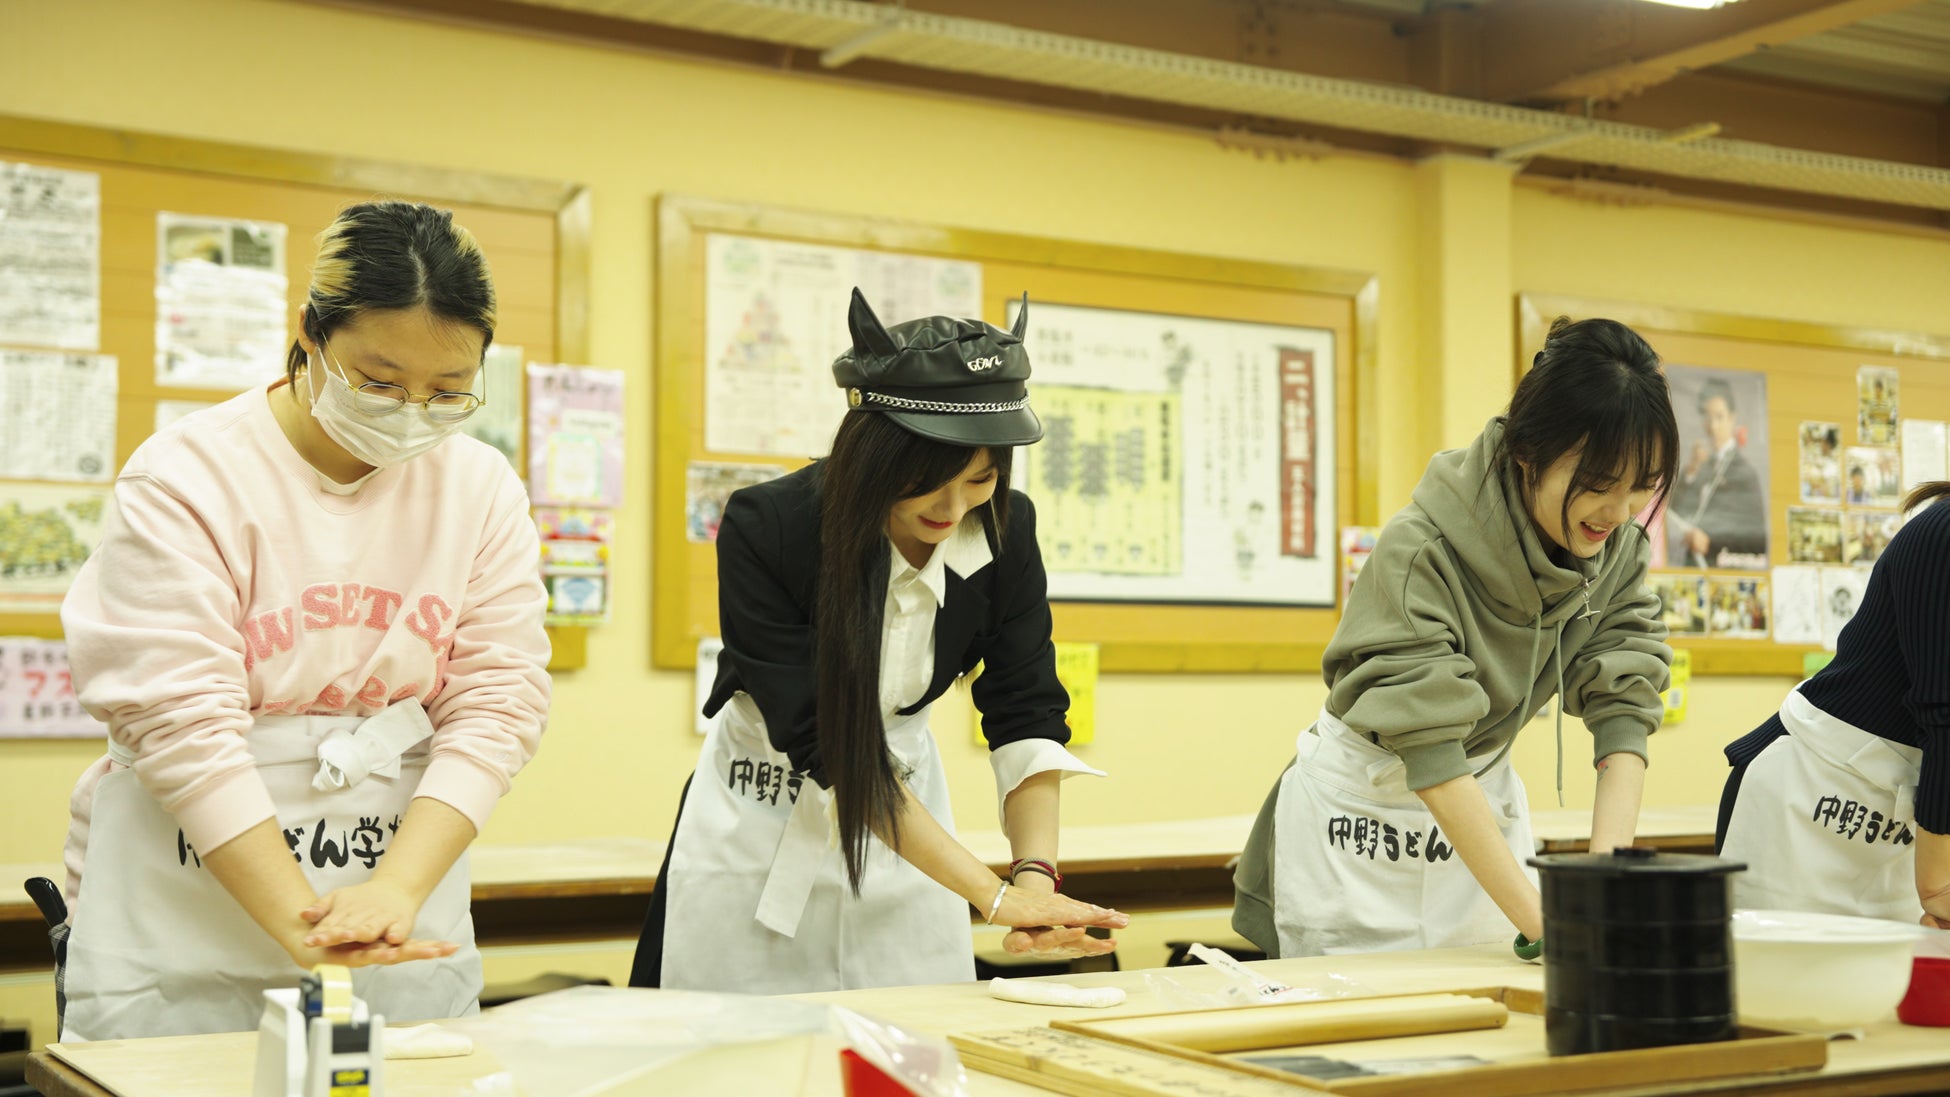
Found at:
(708, 648)
(1841, 596)
(1924, 452)
(50, 257)
(57, 416)
(37, 699)
(1797, 605)
(775, 318)
(221, 309)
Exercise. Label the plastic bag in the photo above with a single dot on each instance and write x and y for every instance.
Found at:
(1234, 984)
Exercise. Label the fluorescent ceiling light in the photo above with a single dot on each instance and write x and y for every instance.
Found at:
(1700, 4)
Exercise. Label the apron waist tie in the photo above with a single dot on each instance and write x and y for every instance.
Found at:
(353, 749)
(810, 832)
(347, 756)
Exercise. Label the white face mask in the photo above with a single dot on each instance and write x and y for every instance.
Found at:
(381, 441)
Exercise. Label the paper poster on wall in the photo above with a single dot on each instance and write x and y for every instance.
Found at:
(1183, 459)
(1716, 515)
(1866, 534)
(37, 699)
(1680, 691)
(221, 309)
(575, 563)
(1878, 401)
(498, 420)
(1821, 463)
(1076, 669)
(575, 436)
(57, 416)
(1357, 544)
(1814, 535)
(50, 257)
(1682, 603)
(1797, 604)
(1841, 596)
(708, 485)
(1925, 453)
(46, 533)
(1874, 477)
(775, 318)
(1736, 607)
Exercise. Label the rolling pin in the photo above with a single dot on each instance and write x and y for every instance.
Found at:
(1293, 1024)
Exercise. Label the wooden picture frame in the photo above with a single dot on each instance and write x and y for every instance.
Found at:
(1132, 636)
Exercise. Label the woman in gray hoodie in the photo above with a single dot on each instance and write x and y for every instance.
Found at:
(1516, 574)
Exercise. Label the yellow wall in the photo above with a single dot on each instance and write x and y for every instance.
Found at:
(1451, 241)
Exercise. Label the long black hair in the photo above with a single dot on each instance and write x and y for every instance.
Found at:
(1596, 387)
(875, 463)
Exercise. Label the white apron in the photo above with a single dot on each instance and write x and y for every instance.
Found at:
(1362, 867)
(159, 948)
(757, 898)
(1825, 821)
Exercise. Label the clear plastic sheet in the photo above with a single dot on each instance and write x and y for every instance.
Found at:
(589, 1039)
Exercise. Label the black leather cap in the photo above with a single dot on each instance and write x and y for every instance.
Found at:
(959, 381)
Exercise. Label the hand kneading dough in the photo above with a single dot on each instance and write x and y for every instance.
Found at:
(1054, 994)
(426, 1042)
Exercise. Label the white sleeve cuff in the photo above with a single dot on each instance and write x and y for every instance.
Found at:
(1017, 762)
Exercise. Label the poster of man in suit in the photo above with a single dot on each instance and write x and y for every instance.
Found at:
(1716, 516)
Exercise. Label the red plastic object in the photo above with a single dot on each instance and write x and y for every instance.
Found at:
(861, 1078)
(1928, 1000)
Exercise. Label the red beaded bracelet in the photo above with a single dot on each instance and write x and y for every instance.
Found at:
(1035, 864)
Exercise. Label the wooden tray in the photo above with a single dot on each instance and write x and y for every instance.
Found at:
(1184, 1053)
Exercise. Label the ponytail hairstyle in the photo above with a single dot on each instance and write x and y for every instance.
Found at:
(875, 463)
(1928, 492)
(395, 255)
(1596, 387)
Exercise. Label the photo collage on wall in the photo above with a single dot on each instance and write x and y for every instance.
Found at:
(1711, 552)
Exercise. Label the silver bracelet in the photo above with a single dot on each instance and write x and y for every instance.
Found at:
(997, 905)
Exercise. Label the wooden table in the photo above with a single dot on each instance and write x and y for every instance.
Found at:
(1891, 1059)
(1675, 830)
(598, 888)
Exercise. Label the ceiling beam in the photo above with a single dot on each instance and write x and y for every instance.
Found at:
(1568, 50)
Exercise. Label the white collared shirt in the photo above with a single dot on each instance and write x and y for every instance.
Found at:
(914, 597)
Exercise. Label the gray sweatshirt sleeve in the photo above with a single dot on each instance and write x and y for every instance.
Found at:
(1404, 678)
(1614, 680)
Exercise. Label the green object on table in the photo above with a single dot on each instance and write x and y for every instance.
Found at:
(1527, 949)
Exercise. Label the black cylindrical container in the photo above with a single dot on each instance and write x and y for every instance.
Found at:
(1638, 950)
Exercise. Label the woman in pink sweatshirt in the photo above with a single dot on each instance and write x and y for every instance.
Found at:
(314, 629)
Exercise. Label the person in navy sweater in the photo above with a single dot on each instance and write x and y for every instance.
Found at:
(1841, 801)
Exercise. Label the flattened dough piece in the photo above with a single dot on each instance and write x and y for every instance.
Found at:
(1037, 993)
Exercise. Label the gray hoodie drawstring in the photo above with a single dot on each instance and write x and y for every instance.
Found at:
(1557, 663)
(1557, 657)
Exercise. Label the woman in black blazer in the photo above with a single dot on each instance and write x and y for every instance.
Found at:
(852, 594)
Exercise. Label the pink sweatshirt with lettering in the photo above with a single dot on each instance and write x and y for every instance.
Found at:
(230, 585)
